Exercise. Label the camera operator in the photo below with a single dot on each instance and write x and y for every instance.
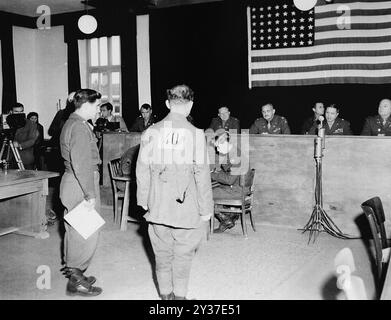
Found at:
(26, 134)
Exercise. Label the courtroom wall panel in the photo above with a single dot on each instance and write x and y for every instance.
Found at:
(354, 170)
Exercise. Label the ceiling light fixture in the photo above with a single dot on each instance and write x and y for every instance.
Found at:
(87, 23)
(304, 5)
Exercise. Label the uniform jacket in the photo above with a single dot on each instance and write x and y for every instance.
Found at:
(27, 137)
(339, 127)
(308, 124)
(231, 123)
(278, 125)
(163, 185)
(229, 181)
(139, 126)
(374, 126)
(80, 153)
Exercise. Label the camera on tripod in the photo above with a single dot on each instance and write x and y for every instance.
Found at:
(12, 122)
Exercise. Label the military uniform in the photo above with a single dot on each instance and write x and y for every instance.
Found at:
(139, 125)
(228, 186)
(308, 124)
(80, 181)
(339, 127)
(278, 125)
(374, 126)
(231, 123)
(178, 194)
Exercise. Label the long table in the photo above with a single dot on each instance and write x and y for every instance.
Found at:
(23, 202)
(354, 169)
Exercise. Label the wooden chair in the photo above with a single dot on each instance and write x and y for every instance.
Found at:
(116, 172)
(377, 206)
(117, 177)
(241, 205)
(382, 254)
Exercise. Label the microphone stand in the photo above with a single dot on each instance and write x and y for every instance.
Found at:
(319, 220)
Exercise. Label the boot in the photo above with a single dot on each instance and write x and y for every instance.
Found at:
(180, 298)
(224, 226)
(169, 296)
(77, 285)
(90, 280)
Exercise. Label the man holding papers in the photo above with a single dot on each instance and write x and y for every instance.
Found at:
(80, 183)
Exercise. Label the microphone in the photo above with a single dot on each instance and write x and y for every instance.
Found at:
(321, 130)
(320, 121)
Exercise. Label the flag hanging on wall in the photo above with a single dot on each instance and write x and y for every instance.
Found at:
(342, 42)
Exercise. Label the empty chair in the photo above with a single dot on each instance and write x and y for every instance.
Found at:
(240, 205)
(381, 254)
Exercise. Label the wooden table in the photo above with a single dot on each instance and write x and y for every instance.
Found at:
(23, 202)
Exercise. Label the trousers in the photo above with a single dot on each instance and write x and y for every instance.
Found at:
(174, 250)
(78, 252)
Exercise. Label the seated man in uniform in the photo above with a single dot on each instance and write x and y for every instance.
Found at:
(145, 120)
(379, 125)
(333, 124)
(225, 179)
(318, 110)
(270, 123)
(106, 110)
(224, 121)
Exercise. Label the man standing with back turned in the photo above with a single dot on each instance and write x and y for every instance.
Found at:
(174, 185)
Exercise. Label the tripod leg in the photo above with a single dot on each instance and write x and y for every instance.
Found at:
(16, 155)
(2, 149)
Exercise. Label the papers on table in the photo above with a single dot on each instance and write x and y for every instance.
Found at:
(84, 219)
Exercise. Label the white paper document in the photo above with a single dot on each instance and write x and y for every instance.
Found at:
(84, 219)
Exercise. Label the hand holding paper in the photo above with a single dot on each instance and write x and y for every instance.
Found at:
(84, 218)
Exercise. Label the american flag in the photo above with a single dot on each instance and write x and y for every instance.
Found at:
(342, 42)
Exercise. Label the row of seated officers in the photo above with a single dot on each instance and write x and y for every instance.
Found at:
(271, 123)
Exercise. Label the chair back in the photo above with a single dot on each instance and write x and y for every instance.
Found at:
(376, 237)
(377, 206)
(115, 168)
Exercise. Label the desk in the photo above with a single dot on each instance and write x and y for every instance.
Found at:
(23, 202)
(353, 171)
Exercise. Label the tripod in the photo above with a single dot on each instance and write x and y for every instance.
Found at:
(8, 146)
(319, 220)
